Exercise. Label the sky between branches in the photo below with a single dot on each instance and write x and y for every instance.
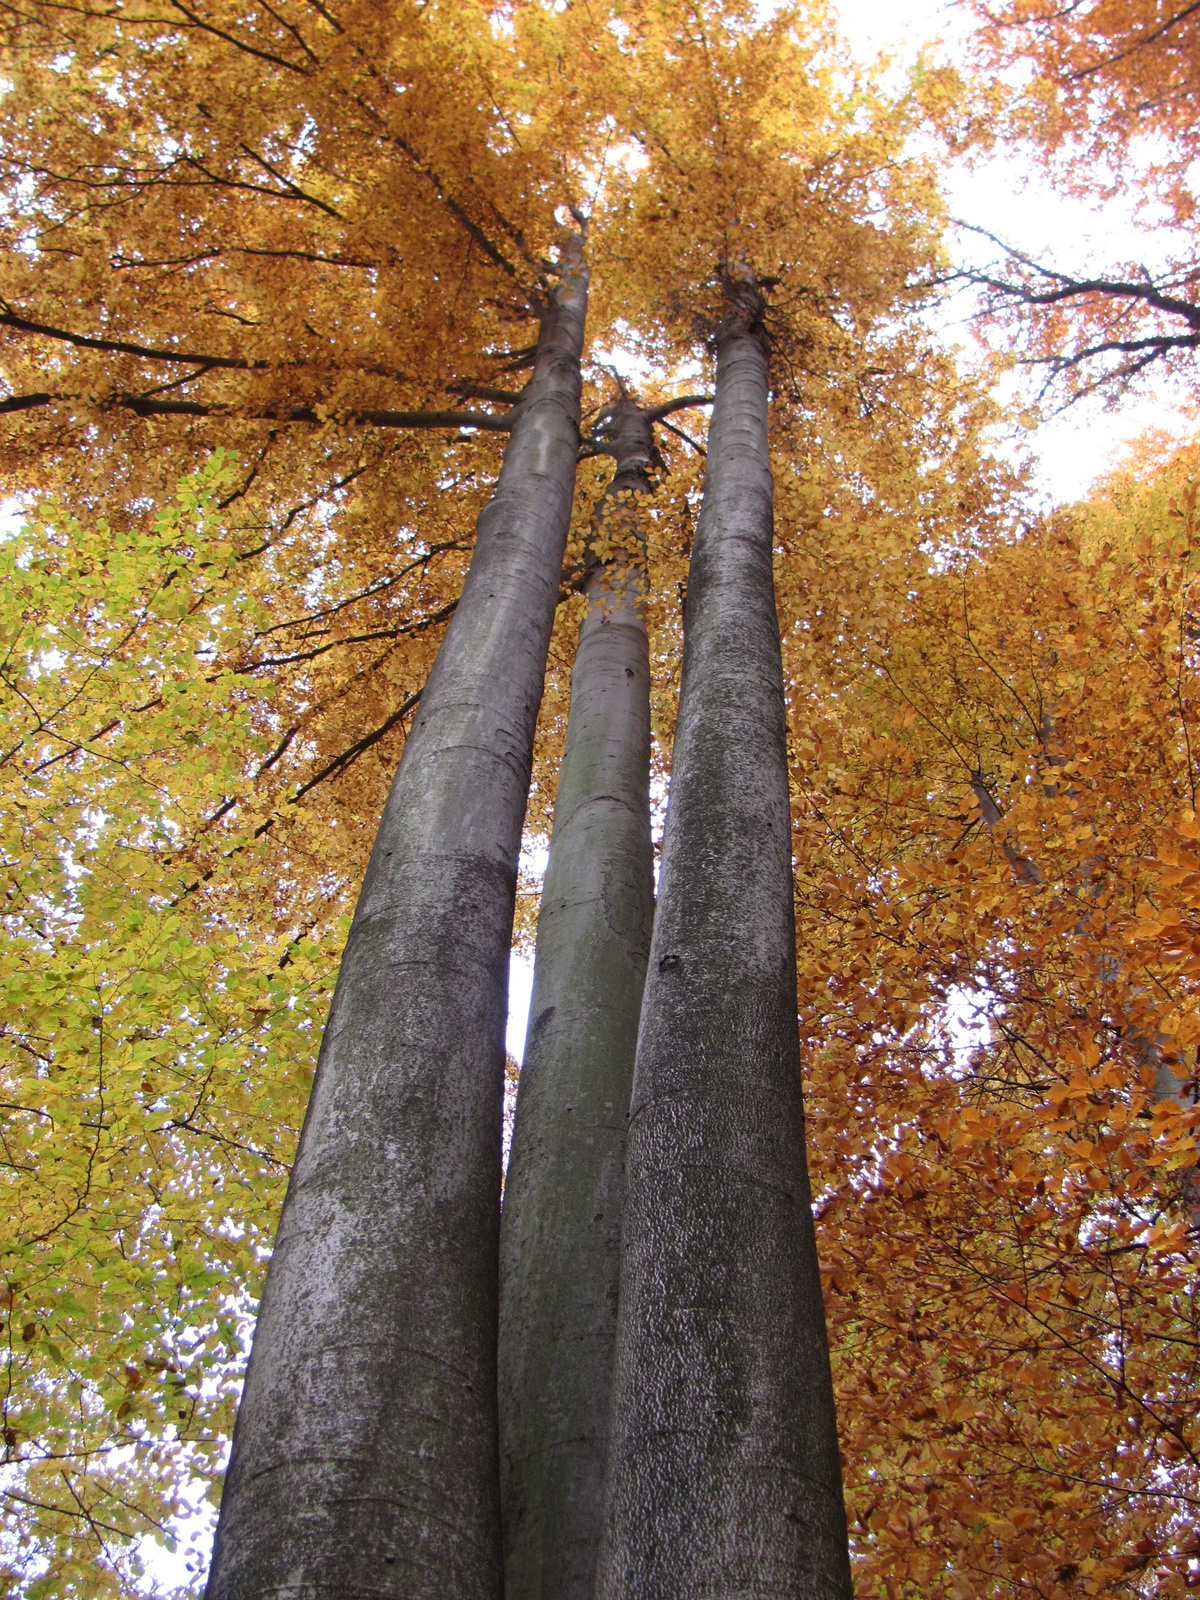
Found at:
(1006, 196)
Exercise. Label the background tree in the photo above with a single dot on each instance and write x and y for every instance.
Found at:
(156, 1029)
(1011, 1284)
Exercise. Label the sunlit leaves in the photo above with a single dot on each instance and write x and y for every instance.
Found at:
(154, 1059)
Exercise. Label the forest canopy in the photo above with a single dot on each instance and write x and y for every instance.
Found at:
(270, 294)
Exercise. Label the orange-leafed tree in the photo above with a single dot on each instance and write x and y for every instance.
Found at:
(208, 211)
(996, 884)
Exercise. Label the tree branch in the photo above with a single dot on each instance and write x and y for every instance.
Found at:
(1138, 44)
(340, 763)
(10, 319)
(1036, 285)
(484, 421)
(399, 632)
(686, 437)
(456, 211)
(1067, 287)
(202, 26)
(685, 402)
(596, 444)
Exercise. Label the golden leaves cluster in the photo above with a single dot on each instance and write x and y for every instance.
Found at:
(995, 802)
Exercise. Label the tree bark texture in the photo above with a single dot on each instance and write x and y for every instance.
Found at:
(723, 1476)
(365, 1453)
(561, 1226)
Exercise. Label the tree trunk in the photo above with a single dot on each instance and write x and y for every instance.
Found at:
(561, 1226)
(365, 1453)
(723, 1474)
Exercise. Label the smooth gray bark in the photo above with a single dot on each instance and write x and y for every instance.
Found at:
(723, 1475)
(561, 1226)
(365, 1453)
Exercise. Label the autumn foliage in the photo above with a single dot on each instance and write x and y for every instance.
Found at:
(240, 245)
(1092, 93)
(1005, 1227)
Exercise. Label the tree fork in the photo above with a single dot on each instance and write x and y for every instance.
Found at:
(561, 1227)
(364, 1455)
(723, 1475)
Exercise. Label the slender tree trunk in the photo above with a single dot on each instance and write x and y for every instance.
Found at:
(365, 1453)
(561, 1227)
(723, 1475)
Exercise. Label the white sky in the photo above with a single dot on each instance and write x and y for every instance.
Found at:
(897, 27)
(1014, 203)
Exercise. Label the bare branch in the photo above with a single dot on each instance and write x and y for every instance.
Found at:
(1065, 287)
(1036, 285)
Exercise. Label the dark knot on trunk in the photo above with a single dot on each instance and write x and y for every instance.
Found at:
(745, 302)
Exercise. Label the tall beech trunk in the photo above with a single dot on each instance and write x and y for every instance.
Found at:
(561, 1227)
(723, 1474)
(365, 1453)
